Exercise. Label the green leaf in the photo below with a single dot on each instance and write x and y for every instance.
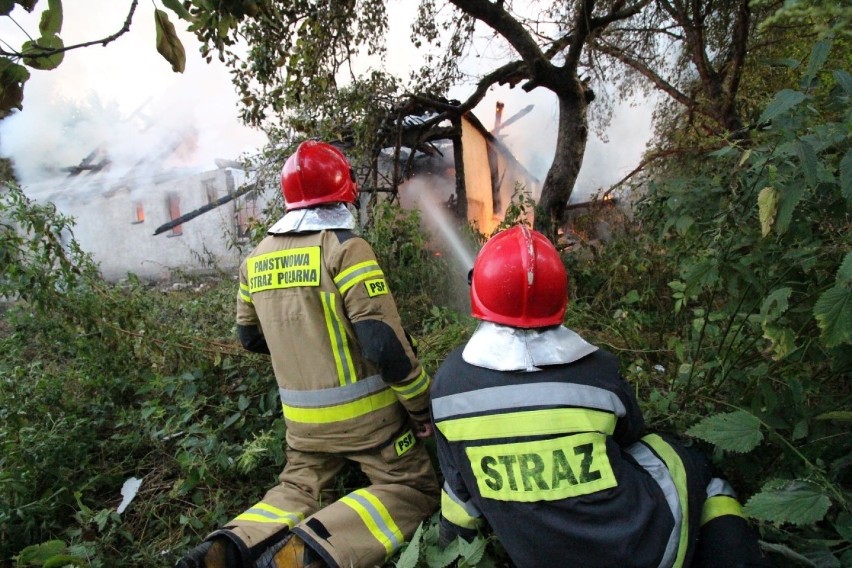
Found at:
(12, 79)
(789, 198)
(844, 273)
(63, 560)
(411, 555)
(819, 54)
(33, 51)
(784, 62)
(782, 340)
(843, 525)
(846, 175)
(51, 19)
(767, 206)
(176, 6)
(38, 553)
(808, 160)
(833, 312)
(844, 79)
(734, 431)
(783, 101)
(6, 7)
(437, 557)
(787, 552)
(839, 415)
(683, 223)
(168, 43)
(796, 502)
(776, 302)
(472, 551)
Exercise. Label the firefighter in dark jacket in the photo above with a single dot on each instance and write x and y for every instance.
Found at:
(352, 389)
(540, 439)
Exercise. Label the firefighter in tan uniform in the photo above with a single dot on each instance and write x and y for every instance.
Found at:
(313, 296)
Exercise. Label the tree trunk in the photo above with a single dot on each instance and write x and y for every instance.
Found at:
(570, 147)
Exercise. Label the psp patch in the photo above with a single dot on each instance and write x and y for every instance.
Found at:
(376, 287)
(404, 443)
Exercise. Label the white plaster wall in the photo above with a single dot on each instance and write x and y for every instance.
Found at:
(106, 227)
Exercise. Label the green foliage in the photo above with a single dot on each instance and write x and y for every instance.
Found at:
(423, 551)
(100, 383)
(730, 309)
(796, 502)
(47, 50)
(732, 432)
(406, 255)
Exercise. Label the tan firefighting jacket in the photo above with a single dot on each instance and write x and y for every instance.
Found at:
(308, 292)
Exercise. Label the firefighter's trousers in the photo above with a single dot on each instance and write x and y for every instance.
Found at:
(361, 529)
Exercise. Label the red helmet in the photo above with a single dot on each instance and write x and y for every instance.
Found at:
(519, 280)
(317, 173)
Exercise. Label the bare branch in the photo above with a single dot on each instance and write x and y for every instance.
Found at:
(650, 158)
(503, 23)
(648, 73)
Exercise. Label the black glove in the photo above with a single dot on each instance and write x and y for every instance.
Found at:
(217, 552)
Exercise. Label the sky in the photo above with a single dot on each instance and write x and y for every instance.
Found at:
(124, 96)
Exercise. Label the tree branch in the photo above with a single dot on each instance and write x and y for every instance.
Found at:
(493, 15)
(652, 76)
(654, 157)
(45, 52)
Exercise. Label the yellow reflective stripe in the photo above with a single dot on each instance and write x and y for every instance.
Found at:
(418, 386)
(244, 294)
(376, 518)
(719, 506)
(678, 473)
(340, 412)
(357, 273)
(528, 423)
(265, 513)
(339, 344)
(456, 514)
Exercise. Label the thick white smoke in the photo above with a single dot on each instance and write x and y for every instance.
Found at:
(123, 99)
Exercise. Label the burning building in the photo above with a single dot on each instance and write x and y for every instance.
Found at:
(117, 215)
(461, 165)
(157, 217)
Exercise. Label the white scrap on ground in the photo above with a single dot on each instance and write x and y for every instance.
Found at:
(128, 492)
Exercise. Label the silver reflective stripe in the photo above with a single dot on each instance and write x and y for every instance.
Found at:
(520, 396)
(333, 396)
(291, 517)
(468, 506)
(658, 470)
(719, 486)
(377, 518)
(370, 267)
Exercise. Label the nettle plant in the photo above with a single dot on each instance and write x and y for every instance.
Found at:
(762, 237)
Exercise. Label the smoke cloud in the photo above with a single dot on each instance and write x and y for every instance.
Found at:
(121, 102)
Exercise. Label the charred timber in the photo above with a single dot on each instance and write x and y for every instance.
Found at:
(201, 210)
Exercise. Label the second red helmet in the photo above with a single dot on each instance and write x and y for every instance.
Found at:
(519, 280)
(317, 173)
